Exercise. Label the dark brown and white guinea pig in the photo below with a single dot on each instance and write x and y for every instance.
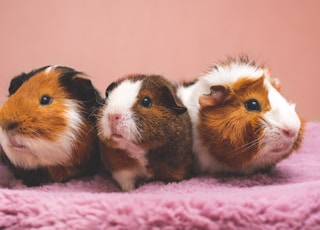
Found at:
(47, 125)
(145, 131)
(241, 123)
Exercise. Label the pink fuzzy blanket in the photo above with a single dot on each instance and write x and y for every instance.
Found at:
(288, 197)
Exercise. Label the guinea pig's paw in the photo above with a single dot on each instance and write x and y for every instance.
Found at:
(125, 178)
(134, 150)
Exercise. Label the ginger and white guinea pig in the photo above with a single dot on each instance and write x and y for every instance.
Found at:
(241, 123)
(145, 131)
(48, 127)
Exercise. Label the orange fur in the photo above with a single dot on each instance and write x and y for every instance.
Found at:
(227, 138)
(24, 108)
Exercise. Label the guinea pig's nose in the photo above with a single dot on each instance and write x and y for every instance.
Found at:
(288, 132)
(10, 125)
(114, 117)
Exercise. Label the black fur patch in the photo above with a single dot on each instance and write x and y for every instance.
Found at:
(17, 81)
(82, 90)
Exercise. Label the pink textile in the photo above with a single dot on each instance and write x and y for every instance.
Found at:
(288, 197)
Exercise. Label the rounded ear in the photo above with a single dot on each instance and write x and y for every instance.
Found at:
(276, 83)
(80, 88)
(170, 101)
(17, 81)
(110, 88)
(83, 88)
(216, 96)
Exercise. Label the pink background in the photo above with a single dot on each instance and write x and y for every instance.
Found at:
(179, 39)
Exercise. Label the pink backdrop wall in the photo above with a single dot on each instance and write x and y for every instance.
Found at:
(176, 38)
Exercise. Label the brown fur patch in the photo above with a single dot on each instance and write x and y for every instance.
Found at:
(229, 128)
(115, 159)
(165, 130)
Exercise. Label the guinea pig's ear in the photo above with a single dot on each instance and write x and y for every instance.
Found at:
(84, 89)
(276, 83)
(80, 88)
(16, 83)
(171, 102)
(216, 96)
(110, 88)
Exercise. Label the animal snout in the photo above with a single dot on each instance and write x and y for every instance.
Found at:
(9, 125)
(114, 118)
(289, 132)
(114, 122)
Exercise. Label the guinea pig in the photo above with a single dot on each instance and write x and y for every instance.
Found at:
(48, 125)
(145, 132)
(241, 122)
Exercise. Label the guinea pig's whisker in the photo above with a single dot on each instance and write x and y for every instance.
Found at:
(62, 137)
(94, 113)
(251, 144)
(91, 129)
(49, 132)
(100, 102)
(246, 146)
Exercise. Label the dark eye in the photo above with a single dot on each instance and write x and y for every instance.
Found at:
(252, 105)
(110, 88)
(46, 100)
(146, 102)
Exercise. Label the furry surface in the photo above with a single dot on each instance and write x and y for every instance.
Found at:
(288, 197)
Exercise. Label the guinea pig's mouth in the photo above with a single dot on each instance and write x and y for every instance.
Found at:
(116, 135)
(283, 148)
(17, 144)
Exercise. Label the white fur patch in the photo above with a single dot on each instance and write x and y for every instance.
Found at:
(52, 67)
(189, 97)
(224, 75)
(41, 152)
(49, 69)
(126, 178)
(120, 101)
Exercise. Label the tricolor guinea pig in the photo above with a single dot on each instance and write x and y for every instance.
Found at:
(47, 125)
(145, 131)
(241, 122)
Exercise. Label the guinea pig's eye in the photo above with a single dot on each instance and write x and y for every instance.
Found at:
(45, 100)
(252, 105)
(146, 102)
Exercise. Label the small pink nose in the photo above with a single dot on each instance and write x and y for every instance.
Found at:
(287, 132)
(114, 117)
